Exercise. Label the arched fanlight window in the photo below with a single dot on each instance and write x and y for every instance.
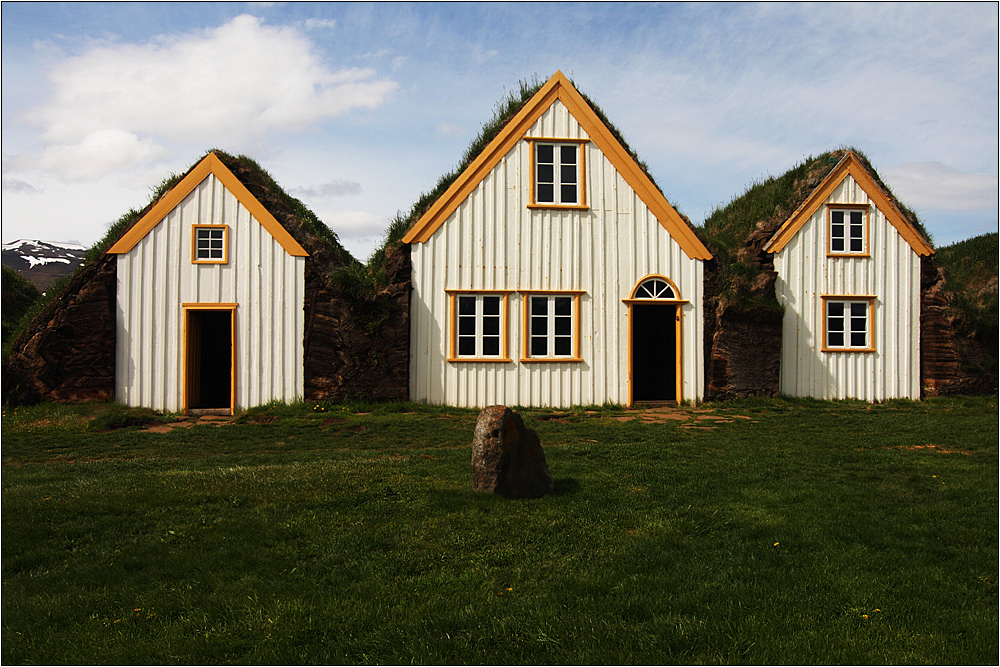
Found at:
(654, 288)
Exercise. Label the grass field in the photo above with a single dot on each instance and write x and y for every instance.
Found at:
(759, 531)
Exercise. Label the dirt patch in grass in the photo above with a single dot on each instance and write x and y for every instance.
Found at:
(933, 448)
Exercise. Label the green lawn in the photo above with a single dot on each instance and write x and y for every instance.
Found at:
(759, 531)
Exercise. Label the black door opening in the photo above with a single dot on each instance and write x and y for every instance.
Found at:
(654, 352)
(209, 362)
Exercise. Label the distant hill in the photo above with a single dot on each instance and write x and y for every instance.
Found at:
(42, 262)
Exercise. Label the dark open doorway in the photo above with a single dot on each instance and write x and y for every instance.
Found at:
(209, 359)
(654, 352)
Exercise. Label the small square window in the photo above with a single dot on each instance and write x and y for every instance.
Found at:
(557, 174)
(210, 244)
(479, 327)
(551, 327)
(848, 231)
(847, 324)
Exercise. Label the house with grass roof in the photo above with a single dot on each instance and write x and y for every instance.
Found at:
(552, 271)
(222, 294)
(848, 265)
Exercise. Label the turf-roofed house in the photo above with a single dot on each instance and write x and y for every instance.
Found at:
(220, 295)
(552, 271)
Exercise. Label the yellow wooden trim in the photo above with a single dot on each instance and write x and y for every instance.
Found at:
(673, 286)
(870, 298)
(186, 347)
(194, 244)
(551, 291)
(678, 340)
(558, 207)
(848, 166)
(211, 164)
(551, 360)
(558, 87)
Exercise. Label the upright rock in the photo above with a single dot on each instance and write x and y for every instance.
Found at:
(507, 458)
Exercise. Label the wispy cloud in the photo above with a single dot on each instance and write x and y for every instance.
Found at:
(937, 186)
(118, 106)
(338, 188)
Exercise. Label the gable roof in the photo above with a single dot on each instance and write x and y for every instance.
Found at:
(850, 165)
(558, 87)
(210, 164)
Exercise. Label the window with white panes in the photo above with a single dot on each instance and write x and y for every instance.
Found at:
(479, 326)
(848, 231)
(552, 320)
(847, 325)
(210, 244)
(557, 174)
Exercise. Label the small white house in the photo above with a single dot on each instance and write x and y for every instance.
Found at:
(553, 272)
(848, 265)
(210, 300)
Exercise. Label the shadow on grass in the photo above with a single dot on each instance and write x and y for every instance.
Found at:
(567, 486)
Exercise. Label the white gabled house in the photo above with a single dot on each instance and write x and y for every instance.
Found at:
(209, 300)
(848, 265)
(553, 272)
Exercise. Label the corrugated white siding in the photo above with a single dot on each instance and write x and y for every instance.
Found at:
(891, 273)
(494, 242)
(157, 276)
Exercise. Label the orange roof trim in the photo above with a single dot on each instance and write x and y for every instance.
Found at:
(211, 164)
(558, 88)
(849, 165)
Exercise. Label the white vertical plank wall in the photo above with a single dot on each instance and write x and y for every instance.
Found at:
(157, 276)
(494, 242)
(891, 273)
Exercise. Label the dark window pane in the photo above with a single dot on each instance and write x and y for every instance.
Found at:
(491, 326)
(544, 153)
(567, 154)
(859, 340)
(857, 245)
(466, 305)
(466, 346)
(859, 308)
(835, 309)
(491, 347)
(539, 305)
(466, 326)
(491, 305)
(564, 326)
(837, 245)
(837, 218)
(539, 326)
(857, 218)
(564, 347)
(668, 293)
(539, 347)
(545, 173)
(567, 175)
(546, 194)
(564, 305)
(837, 231)
(836, 339)
(567, 194)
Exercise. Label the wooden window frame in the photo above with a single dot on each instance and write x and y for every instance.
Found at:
(504, 326)
(847, 208)
(194, 244)
(526, 296)
(581, 167)
(848, 299)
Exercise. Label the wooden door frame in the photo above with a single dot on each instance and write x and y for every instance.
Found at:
(188, 309)
(678, 335)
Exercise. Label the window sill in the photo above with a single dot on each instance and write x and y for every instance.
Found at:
(209, 261)
(834, 350)
(848, 255)
(551, 360)
(479, 360)
(559, 207)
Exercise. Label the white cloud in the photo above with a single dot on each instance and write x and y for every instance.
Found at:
(315, 24)
(356, 224)
(937, 186)
(17, 186)
(338, 188)
(225, 85)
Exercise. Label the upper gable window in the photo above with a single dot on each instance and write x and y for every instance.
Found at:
(210, 244)
(557, 173)
(848, 230)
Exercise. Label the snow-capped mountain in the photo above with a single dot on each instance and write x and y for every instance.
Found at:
(43, 262)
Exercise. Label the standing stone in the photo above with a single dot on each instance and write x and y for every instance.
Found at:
(507, 458)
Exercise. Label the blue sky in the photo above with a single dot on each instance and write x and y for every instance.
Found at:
(359, 108)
